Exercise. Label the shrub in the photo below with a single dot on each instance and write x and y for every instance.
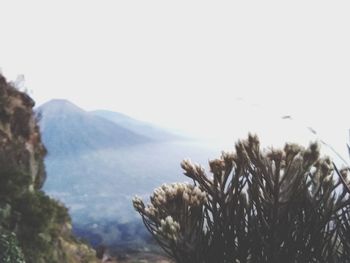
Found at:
(258, 206)
(40, 224)
(9, 249)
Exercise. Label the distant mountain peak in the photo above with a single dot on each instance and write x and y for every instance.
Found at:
(59, 105)
(60, 102)
(140, 127)
(68, 129)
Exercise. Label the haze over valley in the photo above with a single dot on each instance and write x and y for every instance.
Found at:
(96, 164)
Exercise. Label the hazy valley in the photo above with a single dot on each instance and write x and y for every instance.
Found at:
(96, 164)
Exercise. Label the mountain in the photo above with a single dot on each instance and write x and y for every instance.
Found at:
(95, 167)
(138, 127)
(68, 129)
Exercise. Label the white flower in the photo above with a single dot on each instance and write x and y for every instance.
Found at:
(169, 228)
(138, 203)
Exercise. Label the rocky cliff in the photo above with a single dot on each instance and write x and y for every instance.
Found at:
(40, 224)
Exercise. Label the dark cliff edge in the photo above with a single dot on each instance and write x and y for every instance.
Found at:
(34, 228)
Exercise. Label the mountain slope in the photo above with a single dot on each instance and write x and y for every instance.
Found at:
(68, 129)
(95, 167)
(139, 127)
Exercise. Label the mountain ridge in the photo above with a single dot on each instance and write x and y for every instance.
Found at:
(68, 129)
(140, 127)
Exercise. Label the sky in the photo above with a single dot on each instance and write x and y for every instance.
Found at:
(209, 67)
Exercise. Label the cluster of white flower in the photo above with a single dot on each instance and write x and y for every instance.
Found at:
(151, 211)
(168, 198)
(187, 164)
(192, 195)
(138, 204)
(169, 228)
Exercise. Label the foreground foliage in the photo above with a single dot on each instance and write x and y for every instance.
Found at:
(259, 205)
(9, 249)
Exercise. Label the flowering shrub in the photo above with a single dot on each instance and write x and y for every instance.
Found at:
(257, 206)
(172, 207)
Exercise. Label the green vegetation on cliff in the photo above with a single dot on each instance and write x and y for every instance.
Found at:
(33, 227)
(10, 251)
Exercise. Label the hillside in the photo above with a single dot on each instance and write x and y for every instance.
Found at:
(34, 227)
(139, 127)
(68, 129)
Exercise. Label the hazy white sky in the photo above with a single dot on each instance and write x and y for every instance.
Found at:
(186, 64)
